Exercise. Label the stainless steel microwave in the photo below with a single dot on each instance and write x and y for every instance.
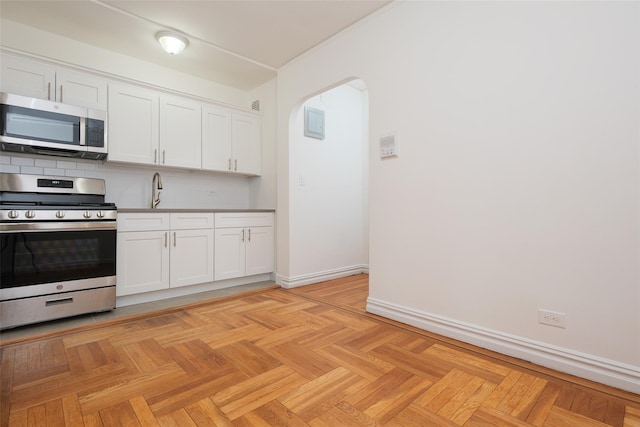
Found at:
(32, 125)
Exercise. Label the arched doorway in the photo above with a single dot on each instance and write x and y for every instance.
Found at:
(328, 186)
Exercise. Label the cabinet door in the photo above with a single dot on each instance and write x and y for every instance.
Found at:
(81, 89)
(180, 132)
(191, 257)
(246, 143)
(260, 250)
(142, 262)
(229, 253)
(27, 78)
(216, 138)
(133, 124)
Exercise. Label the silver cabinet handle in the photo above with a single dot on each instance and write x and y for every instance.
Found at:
(165, 239)
(229, 163)
(61, 93)
(174, 239)
(249, 231)
(236, 165)
(242, 235)
(83, 131)
(163, 156)
(49, 91)
(155, 156)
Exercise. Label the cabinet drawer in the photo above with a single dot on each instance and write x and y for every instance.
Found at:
(191, 221)
(244, 219)
(143, 221)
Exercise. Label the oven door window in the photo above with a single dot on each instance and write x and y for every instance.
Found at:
(30, 258)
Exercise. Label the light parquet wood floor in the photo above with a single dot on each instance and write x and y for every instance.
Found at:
(304, 357)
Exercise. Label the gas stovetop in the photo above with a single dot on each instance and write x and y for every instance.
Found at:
(49, 198)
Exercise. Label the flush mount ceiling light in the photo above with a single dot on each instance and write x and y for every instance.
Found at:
(171, 42)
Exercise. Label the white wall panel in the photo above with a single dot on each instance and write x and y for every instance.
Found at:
(517, 183)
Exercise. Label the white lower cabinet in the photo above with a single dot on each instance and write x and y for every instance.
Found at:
(244, 244)
(230, 253)
(160, 250)
(191, 249)
(142, 262)
(259, 250)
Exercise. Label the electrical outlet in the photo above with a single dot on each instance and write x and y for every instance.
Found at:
(552, 318)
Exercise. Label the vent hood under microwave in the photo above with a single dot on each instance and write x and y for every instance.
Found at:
(38, 126)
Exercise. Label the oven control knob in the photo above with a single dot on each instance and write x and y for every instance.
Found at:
(30, 214)
(87, 214)
(100, 214)
(13, 214)
(60, 214)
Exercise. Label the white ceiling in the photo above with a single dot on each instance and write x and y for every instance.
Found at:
(240, 43)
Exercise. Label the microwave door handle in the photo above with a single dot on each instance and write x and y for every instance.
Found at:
(83, 131)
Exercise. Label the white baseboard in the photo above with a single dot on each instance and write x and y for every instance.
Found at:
(594, 368)
(321, 276)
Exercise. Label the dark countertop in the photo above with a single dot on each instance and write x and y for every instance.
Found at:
(170, 210)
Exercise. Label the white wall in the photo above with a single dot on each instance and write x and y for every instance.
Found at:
(129, 186)
(517, 183)
(327, 191)
(263, 189)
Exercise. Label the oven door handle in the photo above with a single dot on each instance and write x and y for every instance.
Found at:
(29, 227)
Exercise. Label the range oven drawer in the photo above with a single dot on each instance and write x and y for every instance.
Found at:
(41, 308)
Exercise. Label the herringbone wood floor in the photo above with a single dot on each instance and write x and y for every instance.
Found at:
(309, 356)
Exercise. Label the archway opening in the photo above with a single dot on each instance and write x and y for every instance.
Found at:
(328, 185)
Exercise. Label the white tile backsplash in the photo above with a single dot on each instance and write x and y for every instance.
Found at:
(32, 170)
(129, 186)
(63, 164)
(22, 161)
(76, 173)
(54, 171)
(86, 166)
(10, 168)
(45, 163)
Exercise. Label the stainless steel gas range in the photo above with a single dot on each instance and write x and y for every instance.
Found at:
(57, 248)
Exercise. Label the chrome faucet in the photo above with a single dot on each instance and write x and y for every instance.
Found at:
(155, 199)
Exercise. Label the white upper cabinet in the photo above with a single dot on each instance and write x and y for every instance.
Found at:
(230, 141)
(80, 89)
(147, 126)
(133, 124)
(180, 132)
(216, 138)
(28, 78)
(38, 80)
(246, 143)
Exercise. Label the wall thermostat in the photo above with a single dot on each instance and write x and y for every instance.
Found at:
(389, 146)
